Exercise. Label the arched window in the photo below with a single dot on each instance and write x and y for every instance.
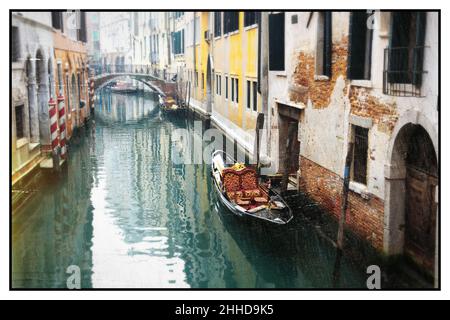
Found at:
(40, 69)
(50, 78)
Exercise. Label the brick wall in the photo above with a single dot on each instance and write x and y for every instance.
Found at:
(364, 104)
(364, 217)
(319, 91)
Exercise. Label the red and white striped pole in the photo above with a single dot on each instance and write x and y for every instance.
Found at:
(62, 125)
(53, 125)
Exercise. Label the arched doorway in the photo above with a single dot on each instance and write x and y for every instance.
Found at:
(420, 205)
(412, 207)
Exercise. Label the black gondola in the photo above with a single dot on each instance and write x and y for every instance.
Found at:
(241, 193)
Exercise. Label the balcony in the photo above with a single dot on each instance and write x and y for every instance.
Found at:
(403, 71)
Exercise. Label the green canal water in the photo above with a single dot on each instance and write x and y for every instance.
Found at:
(129, 217)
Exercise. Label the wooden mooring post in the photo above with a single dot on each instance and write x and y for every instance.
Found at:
(287, 159)
(259, 127)
(345, 189)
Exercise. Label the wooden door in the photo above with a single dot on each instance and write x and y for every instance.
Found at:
(420, 218)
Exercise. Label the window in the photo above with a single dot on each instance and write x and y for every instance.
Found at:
(251, 18)
(226, 87)
(230, 21)
(276, 42)
(360, 154)
(81, 32)
(218, 85)
(196, 30)
(249, 94)
(252, 95)
(178, 42)
(216, 81)
(255, 96)
(178, 14)
(15, 44)
(57, 19)
(360, 46)
(232, 89)
(406, 47)
(20, 119)
(235, 90)
(324, 44)
(217, 24)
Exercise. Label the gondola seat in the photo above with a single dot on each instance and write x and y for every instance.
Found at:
(241, 186)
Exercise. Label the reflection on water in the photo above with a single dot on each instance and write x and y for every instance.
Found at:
(128, 217)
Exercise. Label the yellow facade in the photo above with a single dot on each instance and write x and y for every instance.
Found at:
(233, 55)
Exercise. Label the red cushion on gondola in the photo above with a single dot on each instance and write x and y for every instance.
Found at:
(231, 180)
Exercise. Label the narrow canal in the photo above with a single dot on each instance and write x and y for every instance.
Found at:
(128, 217)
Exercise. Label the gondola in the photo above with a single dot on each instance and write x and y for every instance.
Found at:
(239, 190)
(169, 105)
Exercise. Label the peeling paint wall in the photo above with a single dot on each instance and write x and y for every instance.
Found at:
(329, 108)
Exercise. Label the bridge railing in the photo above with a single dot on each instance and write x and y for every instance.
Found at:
(102, 69)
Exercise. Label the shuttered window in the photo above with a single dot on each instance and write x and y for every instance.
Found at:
(178, 42)
(276, 41)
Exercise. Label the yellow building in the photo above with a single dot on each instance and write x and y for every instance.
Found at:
(221, 59)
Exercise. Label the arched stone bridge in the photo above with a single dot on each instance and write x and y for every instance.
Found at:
(165, 84)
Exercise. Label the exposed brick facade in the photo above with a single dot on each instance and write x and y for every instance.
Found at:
(319, 91)
(365, 217)
(363, 104)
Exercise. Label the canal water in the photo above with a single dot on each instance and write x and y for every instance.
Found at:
(128, 217)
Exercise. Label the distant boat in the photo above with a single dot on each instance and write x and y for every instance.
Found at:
(241, 193)
(168, 104)
(124, 87)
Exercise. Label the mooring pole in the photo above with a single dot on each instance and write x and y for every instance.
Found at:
(259, 127)
(287, 158)
(348, 163)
